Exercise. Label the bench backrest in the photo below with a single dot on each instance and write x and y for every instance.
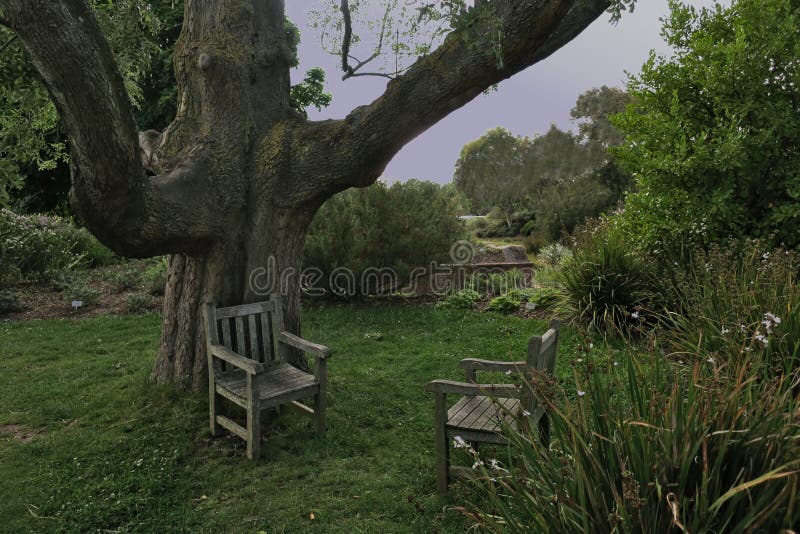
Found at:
(250, 330)
(542, 352)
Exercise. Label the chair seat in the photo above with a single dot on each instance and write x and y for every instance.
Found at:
(279, 383)
(481, 414)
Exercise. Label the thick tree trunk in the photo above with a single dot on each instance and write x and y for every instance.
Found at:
(239, 174)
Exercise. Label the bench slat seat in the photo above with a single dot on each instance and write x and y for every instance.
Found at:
(278, 384)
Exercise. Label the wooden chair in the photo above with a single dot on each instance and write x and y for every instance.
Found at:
(246, 348)
(478, 415)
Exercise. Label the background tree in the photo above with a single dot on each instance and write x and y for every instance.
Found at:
(238, 175)
(490, 172)
(713, 136)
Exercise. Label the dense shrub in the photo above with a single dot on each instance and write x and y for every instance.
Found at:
(33, 246)
(138, 302)
(609, 286)
(463, 300)
(9, 302)
(125, 278)
(155, 276)
(402, 227)
(77, 288)
(504, 304)
(713, 136)
(554, 253)
(564, 206)
(648, 447)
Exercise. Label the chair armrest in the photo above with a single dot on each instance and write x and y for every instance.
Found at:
(506, 391)
(246, 364)
(490, 365)
(320, 351)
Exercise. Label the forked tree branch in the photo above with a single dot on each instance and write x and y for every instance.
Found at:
(347, 38)
(132, 213)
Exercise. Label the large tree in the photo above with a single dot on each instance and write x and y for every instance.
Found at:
(234, 181)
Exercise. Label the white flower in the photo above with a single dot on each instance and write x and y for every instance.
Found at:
(477, 464)
(494, 464)
(724, 331)
(773, 318)
(761, 338)
(508, 373)
(581, 393)
(459, 443)
(635, 315)
(579, 360)
(526, 413)
(591, 346)
(710, 360)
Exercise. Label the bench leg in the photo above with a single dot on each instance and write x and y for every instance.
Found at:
(442, 447)
(212, 409)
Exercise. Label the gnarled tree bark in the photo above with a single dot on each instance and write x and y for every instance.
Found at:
(238, 174)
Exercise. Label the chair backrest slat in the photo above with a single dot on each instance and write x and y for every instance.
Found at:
(277, 327)
(256, 352)
(248, 329)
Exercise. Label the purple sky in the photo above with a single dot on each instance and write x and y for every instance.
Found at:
(525, 104)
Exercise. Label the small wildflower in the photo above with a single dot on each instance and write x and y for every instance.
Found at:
(591, 346)
(579, 360)
(508, 373)
(762, 339)
(710, 360)
(635, 315)
(459, 443)
(477, 464)
(494, 464)
(581, 393)
(526, 413)
(773, 318)
(724, 331)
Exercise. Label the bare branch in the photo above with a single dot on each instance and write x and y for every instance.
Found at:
(134, 214)
(349, 70)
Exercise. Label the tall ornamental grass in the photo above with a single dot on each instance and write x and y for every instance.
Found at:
(652, 446)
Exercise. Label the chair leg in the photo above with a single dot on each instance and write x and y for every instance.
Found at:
(442, 447)
(212, 410)
(253, 420)
(320, 405)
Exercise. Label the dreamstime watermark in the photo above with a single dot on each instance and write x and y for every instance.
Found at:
(433, 279)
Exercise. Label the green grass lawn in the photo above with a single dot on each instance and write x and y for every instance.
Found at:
(115, 453)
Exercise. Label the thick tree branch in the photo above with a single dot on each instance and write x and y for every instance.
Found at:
(133, 214)
(356, 150)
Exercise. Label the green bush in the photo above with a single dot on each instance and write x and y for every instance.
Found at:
(564, 206)
(554, 253)
(34, 246)
(9, 302)
(463, 300)
(504, 304)
(155, 276)
(75, 286)
(139, 302)
(496, 283)
(402, 227)
(610, 287)
(714, 147)
(736, 300)
(650, 447)
(125, 278)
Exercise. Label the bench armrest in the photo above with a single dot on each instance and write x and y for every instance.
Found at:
(491, 365)
(320, 351)
(506, 391)
(246, 364)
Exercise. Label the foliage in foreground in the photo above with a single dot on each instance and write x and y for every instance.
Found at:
(647, 446)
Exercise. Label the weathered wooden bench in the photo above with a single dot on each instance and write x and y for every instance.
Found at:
(247, 365)
(485, 409)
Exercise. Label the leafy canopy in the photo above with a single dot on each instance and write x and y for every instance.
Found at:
(713, 137)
